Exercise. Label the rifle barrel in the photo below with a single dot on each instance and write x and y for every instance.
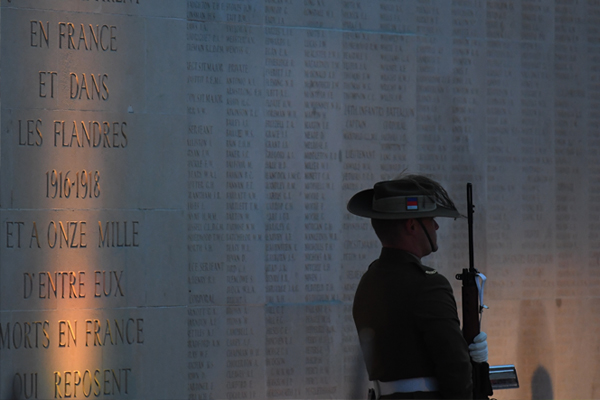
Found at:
(470, 209)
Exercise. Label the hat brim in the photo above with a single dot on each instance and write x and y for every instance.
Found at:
(361, 204)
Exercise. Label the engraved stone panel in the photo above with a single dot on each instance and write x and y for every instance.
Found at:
(93, 249)
(186, 164)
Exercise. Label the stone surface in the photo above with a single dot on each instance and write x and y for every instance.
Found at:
(233, 133)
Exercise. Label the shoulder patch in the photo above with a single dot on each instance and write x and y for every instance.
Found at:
(432, 272)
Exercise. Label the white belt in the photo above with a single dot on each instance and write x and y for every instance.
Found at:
(427, 384)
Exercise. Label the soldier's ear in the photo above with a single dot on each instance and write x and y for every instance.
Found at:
(410, 225)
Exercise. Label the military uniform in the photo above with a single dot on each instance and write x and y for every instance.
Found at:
(408, 325)
(405, 312)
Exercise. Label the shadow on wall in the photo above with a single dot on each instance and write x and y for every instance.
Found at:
(541, 385)
(535, 348)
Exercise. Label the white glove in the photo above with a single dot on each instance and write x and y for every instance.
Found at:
(478, 350)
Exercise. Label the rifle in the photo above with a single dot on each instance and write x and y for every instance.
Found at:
(485, 378)
(470, 294)
(471, 309)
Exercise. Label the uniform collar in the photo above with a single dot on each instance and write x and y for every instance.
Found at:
(398, 254)
(390, 255)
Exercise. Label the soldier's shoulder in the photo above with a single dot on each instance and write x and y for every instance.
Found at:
(429, 270)
(433, 275)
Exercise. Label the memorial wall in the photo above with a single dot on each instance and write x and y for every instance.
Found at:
(174, 174)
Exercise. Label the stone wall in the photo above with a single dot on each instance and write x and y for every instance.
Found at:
(174, 178)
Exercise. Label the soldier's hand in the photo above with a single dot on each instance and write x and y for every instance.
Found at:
(478, 350)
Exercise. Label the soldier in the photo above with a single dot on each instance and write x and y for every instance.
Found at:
(405, 312)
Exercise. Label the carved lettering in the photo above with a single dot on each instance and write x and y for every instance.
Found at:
(54, 285)
(44, 76)
(102, 288)
(94, 86)
(67, 234)
(37, 30)
(90, 134)
(106, 382)
(11, 226)
(118, 234)
(65, 328)
(82, 37)
(130, 331)
(30, 133)
(66, 184)
(27, 335)
(34, 234)
(70, 234)
(25, 386)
